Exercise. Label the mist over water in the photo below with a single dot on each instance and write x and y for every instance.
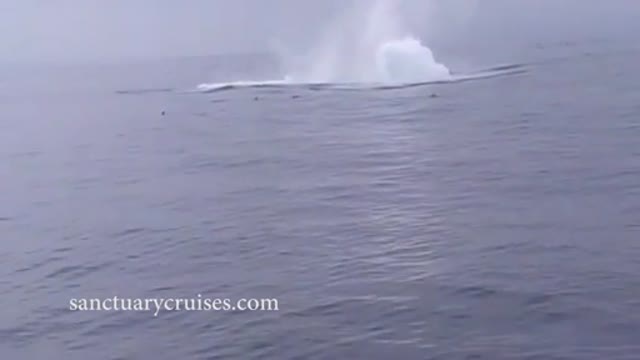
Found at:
(367, 44)
(370, 44)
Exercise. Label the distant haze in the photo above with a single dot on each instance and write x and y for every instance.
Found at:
(79, 30)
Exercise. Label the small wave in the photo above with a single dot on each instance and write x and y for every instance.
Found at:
(215, 87)
(505, 67)
(493, 72)
(500, 71)
(144, 91)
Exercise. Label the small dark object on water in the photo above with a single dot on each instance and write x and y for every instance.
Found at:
(434, 95)
(295, 96)
(256, 98)
(163, 113)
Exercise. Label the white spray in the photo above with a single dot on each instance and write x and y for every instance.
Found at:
(381, 51)
(368, 45)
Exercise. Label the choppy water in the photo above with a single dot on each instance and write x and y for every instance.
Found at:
(498, 220)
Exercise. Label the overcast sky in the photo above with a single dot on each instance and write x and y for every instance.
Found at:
(96, 29)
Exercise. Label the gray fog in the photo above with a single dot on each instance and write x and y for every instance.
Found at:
(71, 30)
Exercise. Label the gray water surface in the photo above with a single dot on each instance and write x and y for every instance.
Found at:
(498, 220)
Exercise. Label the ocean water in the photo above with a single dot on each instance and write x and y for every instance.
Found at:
(492, 218)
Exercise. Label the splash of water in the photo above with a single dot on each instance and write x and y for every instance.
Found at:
(408, 61)
(368, 45)
(381, 51)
